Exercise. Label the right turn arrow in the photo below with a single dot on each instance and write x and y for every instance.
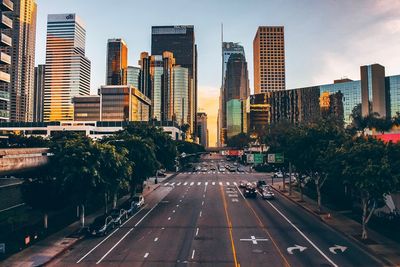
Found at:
(296, 247)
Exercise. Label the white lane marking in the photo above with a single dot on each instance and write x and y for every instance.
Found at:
(204, 196)
(180, 200)
(173, 183)
(146, 255)
(178, 184)
(193, 254)
(102, 241)
(185, 183)
(192, 183)
(156, 239)
(166, 184)
(303, 235)
(177, 205)
(235, 200)
(234, 183)
(122, 238)
(173, 211)
(169, 218)
(202, 203)
(254, 240)
(199, 183)
(227, 183)
(201, 213)
(213, 183)
(206, 183)
(220, 183)
(197, 231)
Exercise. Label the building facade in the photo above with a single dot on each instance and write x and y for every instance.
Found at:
(373, 90)
(38, 93)
(123, 103)
(133, 77)
(145, 81)
(269, 59)
(6, 24)
(117, 62)
(202, 129)
(86, 108)
(180, 40)
(181, 94)
(67, 69)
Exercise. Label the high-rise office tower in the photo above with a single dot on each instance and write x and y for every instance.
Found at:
(373, 91)
(133, 77)
(181, 93)
(228, 49)
(6, 8)
(180, 40)
(145, 75)
(117, 62)
(38, 95)
(202, 129)
(67, 68)
(269, 59)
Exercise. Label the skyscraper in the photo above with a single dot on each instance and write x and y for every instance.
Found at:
(269, 59)
(67, 68)
(6, 8)
(117, 62)
(133, 76)
(373, 91)
(145, 75)
(228, 49)
(180, 40)
(38, 93)
(23, 35)
(202, 129)
(181, 93)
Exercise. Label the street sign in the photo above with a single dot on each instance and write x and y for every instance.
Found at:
(250, 158)
(2, 248)
(271, 158)
(258, 158)
(276, 158)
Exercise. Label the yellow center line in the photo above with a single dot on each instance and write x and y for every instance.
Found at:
(230, 227)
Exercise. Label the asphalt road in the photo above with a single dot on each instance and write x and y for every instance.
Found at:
(203, 220)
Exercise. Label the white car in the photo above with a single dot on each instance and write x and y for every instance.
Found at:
(138, 201)
(267, 194)
(278, 174)
(222, 169)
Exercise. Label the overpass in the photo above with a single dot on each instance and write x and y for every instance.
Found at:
(14, 160)
(218, 149)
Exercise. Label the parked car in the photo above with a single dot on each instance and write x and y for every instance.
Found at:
(267, 194)
(138, 201)
(119, 215)
(243, 183)
(101, 226)
(278, 174)
(250, 192)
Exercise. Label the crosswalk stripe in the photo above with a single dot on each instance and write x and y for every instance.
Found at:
(220, 183)
(178, 183)
(227, 183)
(234, 183)
(213, 183)
(206, 183)
(173, 184)
(199, 183)
(192, 183)
(185, 183)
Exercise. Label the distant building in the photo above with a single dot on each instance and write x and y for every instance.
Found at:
(373, 90)
(38, 93)
(202, 129)
(180, 40)
(117, 62)
(86, 108)
(181, 94)
(6, 24)
(123, 103)
(269, 59)
(145, 81)
(133, 77)
(67, 69)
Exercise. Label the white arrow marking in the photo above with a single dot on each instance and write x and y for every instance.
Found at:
(296, 247)
(337, 247)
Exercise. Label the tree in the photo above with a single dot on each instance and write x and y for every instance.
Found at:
(239, 141)
(76, 166)
(115, 170)
(368, 169)
(185, 128)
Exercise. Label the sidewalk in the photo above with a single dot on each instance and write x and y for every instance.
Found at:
(378, 245)
(54, 245)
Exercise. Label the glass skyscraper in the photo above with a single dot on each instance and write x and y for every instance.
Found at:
(133, 77)
(117, 62)
(181, 93)
(234, 117)
(67, 69)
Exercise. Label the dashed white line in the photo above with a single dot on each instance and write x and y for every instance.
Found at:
(178, 184)
(234, 183)
(202, 203)
(199, 183)
(185, 183)
(177, 205)
(156, 239)
(173, 184)
(206, 183)
(192, 183)
(197, 231)
(169, 218)
(227, 183)
(146, 255)
(194, 251)
(173, 211)
(213, 183)
(200, 213)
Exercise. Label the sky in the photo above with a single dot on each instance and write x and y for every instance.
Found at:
(324, 39)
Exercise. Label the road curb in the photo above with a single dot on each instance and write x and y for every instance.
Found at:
(362, 246)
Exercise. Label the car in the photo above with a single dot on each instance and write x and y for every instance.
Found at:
(212, 168)
(161, 173)
(243, 183)
(250, 192)
(119, 215)
(222, 169)
(261, 183)
(198, 168)
(278, 174)
(268, 194)
(101, 226)
(204, 169)
(240, 169)
(235, 164)
(138, 201)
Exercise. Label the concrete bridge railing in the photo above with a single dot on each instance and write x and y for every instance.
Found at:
(14, 160)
